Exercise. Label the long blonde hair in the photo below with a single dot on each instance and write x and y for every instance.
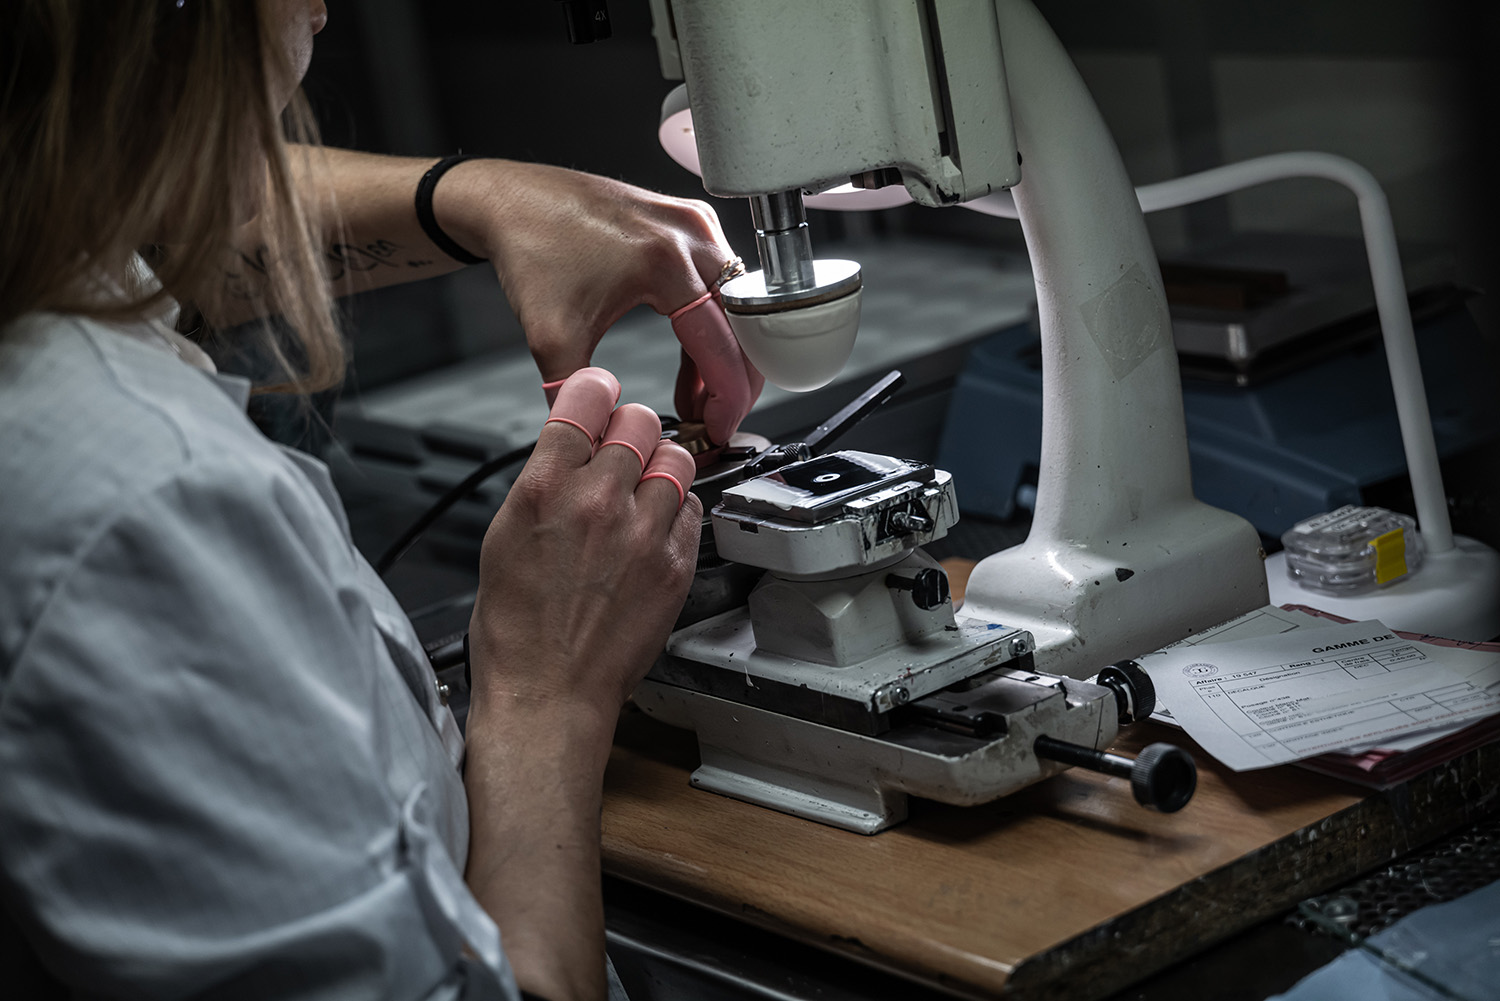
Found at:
(124, 119)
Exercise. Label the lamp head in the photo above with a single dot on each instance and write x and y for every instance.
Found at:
(789, 98)
(798, 339)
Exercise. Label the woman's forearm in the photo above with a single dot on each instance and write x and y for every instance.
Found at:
(534, 779)
(364, 208)
(611, 542)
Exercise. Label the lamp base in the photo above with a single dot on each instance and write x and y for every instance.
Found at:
(1455, 594)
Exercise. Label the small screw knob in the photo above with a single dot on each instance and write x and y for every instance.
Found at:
(929, 588)
(909, 522)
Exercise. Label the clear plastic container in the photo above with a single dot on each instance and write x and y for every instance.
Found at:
(1352, 550)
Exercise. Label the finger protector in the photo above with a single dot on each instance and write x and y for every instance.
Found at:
(671, 461)
(554, 388)
(637, 428)
(585, 401)
(730, 384)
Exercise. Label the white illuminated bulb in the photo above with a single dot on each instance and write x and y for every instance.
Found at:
(799, 349)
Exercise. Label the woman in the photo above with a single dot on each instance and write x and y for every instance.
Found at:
(224, 767)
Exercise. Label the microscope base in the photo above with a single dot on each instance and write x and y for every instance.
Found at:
(861, 783)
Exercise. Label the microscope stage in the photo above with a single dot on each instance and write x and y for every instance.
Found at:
(719, 657)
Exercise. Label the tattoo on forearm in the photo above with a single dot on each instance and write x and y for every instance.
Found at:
(350, 259)
(247, 282)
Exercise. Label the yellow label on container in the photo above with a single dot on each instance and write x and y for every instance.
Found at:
(1390, 556)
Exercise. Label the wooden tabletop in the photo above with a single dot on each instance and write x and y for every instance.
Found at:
(1066, 889)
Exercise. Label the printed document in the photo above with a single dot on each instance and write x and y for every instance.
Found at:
(1293, 694)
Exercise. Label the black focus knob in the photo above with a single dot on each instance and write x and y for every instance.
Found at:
(1135, 695)
(929, 588)
(1163, 778)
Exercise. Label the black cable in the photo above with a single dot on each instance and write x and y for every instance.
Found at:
(409, 537)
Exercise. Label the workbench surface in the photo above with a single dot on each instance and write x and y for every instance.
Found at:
(1066, 889)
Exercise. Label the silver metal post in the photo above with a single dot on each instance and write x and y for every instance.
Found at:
(782, 240)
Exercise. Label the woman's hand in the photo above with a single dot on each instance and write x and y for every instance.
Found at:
(574, 252)
(582, 574)
(587, 564)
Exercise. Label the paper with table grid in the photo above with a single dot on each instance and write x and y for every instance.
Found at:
(1274, 699)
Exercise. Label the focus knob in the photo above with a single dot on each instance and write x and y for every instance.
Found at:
(929, 588)
(1163, 778)
(1135, 695)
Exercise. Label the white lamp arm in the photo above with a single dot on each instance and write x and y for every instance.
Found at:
(1390, 296)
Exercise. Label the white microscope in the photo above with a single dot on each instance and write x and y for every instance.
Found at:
(847, 681)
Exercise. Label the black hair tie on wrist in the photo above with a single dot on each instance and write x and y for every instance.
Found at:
(425, 187)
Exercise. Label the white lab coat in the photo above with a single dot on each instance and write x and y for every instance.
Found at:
(224, 768)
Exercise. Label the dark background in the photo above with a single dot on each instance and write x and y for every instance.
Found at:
(501, 79)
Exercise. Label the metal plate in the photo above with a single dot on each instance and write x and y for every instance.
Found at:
(719, 657)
